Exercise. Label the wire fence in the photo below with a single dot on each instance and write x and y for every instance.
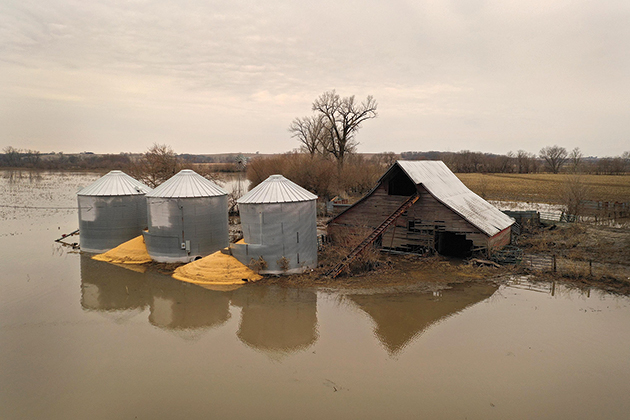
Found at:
(598, 212)
(545, 263)
(539, 262)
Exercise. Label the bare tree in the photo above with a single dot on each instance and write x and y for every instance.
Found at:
(506, 163)
(524, 161)
(12, 156)
(342, 119)
(156, 165)
(554, 156)
(575, 193)
(575, 158)
(310, 132)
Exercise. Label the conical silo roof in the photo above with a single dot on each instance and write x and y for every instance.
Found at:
(187, 184)
(277, 189)
(115, 183)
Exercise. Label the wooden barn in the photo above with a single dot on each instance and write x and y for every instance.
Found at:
(421, 206)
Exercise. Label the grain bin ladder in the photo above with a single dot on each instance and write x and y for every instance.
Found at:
(372, 237)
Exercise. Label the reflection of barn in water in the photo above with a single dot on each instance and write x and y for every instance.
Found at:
(446, 217)
(109, 288)
(400, 317)
(276, 319)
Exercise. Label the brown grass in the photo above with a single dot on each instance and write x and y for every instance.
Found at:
(392, 271)
(581, 243)
(545, 188)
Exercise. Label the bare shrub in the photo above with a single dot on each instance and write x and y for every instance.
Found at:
(344, 240)
(358, 176)
(283, 262)
(575, 193)
(257, 265)
(318, 174)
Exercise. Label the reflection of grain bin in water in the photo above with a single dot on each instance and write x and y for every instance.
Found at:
(118, 292)
(182, 306)
(188, 218)
(109, 288)
(402, 316)
(279, 222)
(111, 211)
(275, 319)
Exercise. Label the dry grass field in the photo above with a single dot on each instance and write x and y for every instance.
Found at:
(546, 188)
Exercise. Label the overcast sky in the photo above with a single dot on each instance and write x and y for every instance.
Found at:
(210, 76)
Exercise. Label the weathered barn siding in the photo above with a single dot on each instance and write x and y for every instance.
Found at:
(370, 211)
(427, 211)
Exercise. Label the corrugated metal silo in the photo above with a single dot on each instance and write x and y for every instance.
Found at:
(279, 221)
(112, 210)
(188, 218)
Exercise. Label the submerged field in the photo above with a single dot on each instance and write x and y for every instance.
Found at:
(546, 188)
(82, 338)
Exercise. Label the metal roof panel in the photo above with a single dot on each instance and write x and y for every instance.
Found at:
(115, 183)
(447, 188)
(187, 184)
(277, 189)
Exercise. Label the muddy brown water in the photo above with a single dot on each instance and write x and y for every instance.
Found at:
(84, 339)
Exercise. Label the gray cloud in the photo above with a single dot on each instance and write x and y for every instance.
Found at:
(225, 75)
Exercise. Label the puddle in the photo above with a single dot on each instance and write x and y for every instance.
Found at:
(82, 338)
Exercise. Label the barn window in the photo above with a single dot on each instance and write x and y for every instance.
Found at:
(400, 184)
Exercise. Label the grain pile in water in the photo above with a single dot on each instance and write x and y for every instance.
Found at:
(216, 269)
(133, 251)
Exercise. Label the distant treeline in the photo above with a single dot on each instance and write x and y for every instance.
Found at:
(550, 159)
(522, 162)
(33, 159)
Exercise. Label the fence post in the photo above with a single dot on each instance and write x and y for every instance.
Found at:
(554, 263)
(590, 268)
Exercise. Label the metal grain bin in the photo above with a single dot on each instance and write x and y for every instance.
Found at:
(279, 221)
(112, 210)
(188, 218)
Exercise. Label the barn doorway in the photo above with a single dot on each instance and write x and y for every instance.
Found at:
(454, 245)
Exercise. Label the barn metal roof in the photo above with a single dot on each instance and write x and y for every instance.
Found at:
(442, 184)
(187, 184)
(276, 189)
(113, 184)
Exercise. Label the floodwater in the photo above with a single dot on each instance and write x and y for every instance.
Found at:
(81, 339)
